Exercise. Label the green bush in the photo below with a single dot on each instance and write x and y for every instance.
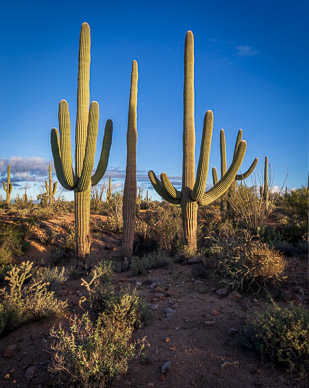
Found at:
(153, 260)
(53, 276)
(280, 334)
(24, 302)
(92, 354)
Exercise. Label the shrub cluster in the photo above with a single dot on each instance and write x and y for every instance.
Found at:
(152, 260)
(24, 302)
(280, 334)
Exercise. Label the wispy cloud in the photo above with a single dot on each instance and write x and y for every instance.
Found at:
(246, 51)
(24, 169)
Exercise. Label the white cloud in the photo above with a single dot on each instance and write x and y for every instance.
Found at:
(246, 51)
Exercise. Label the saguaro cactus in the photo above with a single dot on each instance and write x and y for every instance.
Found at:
(8, 187)
(239, 177)
(264, 191)
(193, 192)
(85, 145)
(130, 187)
(109, 190)
(50, 187)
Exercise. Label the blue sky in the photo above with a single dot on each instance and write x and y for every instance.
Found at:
(251, 69)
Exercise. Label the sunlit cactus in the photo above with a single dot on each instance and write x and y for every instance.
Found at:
(81, 179)
(8, 186)
(130, 188)
(109, 190)
(193, 192)
(264, 190)
(50, 187)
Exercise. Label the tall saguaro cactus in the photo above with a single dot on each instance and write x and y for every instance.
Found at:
(264, 191)
(130, 187)
(8, 187)
(193, 192)
(50, 187)
(87, 121)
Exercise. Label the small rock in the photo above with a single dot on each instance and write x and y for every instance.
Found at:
(210, 323)
(10, 351)
(224, 364)
(167, 339)
(30, 372)
(160, 290)
(233, 331)
(165, 366)
(139, 283)
(154, 306)
(215, 312)
(234, 295)
(169, 311)
(222, 291)
(195, 260)
(174, 306)
(152, 286)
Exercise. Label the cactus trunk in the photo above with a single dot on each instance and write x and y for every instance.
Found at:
(82, 223)
(130, 186)
(8, 187)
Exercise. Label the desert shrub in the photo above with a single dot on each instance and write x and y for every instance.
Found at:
(153, 260)
(247, 265)
(91, 354)
(69, 240)
(53, 276)
(159, 228)
(24, 302)
(280, 334)
(103, 297)
(12, 244)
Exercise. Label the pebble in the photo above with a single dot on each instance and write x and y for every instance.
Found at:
(168, 310)
(222, 291)
(139, 283)
(10, 351)
(154, 306)
(165, 367)
(30, 372)
(210, 323)
(234, 295)
(152, 286)
(215, 312)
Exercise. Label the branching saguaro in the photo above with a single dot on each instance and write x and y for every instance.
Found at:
(193, 192)
(130, 186)
(50, 187)
(87, 122)
(239, 177)
(8, 186)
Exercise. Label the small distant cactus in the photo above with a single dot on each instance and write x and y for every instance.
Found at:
(87, 122)
(130, 188)
(193, 192)
(50, 187)
(8, 187)
(109, 190)
(239, 177)
(264, 190)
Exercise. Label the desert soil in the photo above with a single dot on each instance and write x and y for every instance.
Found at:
(191, 336)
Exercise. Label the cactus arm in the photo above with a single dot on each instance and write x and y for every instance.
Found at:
(203, 164)
(223, 152)
(65, 142)
(238, 140)
(175, 194)
(214, 176)
(92, 134)
(240, 177)
(46, 187)
(225, 182)
(157, 185)
(4, 186)
(102, 165)
(55, 144)
(54, 188)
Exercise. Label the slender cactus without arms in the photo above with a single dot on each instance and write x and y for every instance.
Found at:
(130, 186)
(8, 187)
(50, 187)
(193, 192)
(87, 122)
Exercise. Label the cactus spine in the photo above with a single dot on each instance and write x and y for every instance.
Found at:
(193, 192)
(85, 145)
(8, 187)
(130, 187)
(50, 187)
